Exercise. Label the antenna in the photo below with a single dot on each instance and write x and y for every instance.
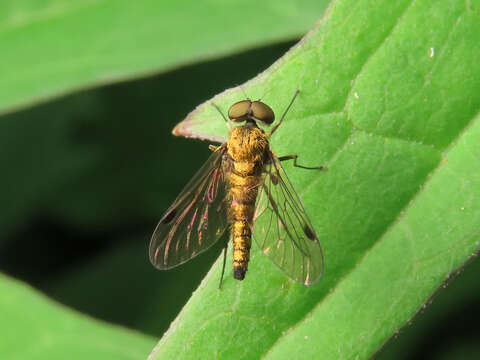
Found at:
(229, 125)
(275, 127)
(265, 92)
(243, 91)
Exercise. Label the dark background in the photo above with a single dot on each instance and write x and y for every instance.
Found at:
(85, 179)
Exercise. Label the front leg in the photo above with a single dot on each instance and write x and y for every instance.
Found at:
(294, 158)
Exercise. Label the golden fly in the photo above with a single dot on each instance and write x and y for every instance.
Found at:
(243, 187)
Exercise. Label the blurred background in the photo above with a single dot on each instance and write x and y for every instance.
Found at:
(85, 177)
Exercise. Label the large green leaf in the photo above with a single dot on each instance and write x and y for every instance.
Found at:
(33, 327)
(389, 102)
(52, 47)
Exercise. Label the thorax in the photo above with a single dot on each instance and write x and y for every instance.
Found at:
(247, 144)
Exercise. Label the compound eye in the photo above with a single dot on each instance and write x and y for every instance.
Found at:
(262, 112)
(240, 111)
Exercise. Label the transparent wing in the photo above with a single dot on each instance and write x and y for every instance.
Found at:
(195, 221)
(282, 228)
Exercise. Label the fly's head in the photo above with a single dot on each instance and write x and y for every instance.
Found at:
(251, 111)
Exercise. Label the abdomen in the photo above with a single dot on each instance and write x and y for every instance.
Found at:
(243, 193)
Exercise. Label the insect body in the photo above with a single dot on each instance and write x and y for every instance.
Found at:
(246, 155)
(242, 185)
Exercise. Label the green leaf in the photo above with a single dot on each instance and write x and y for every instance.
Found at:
(444, 321)
(50, 48)
(389, 103)
(33, 327)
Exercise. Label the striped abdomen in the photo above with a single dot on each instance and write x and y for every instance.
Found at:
(243, 193)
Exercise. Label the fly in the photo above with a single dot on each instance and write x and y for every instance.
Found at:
(242, 186)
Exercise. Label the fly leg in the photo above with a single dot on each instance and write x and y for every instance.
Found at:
(229, 125)
(275, 127)
(294, 158)
(224, 263)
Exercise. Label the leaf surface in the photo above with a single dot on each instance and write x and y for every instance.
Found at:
(389, 102)
(34, 327)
